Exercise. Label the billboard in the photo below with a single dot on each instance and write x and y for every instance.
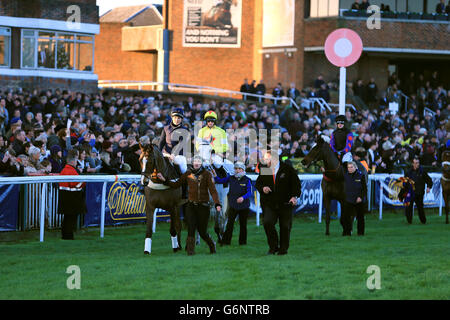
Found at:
(212, 23)
(278, 23)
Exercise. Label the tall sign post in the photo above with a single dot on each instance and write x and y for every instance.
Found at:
(343, 48)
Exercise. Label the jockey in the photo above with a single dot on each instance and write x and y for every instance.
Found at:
(168, 143)
(342, 140)
(213, 135)
(216, 138)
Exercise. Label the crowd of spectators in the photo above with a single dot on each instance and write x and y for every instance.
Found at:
(38, 128)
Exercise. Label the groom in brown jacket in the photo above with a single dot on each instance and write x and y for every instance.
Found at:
(200, 184)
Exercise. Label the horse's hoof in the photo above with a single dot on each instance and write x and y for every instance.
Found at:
(327, 233)
(146, 252)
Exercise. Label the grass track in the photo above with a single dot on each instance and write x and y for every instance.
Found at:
(413, 259)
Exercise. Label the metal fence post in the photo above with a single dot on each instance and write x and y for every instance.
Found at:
(102, 212)
(381, 201)
(42, 209)
(320, 204)
(257, 208)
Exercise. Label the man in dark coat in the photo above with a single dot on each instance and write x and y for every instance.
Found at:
(71, 198)
(261, 89)
(18, 143)
(420, 178)
(355, 196)
(279, 187)
(245, 88)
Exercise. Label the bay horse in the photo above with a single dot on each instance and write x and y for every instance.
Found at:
(158, 195)
(445, 181)
(219, 16)
(332, 182)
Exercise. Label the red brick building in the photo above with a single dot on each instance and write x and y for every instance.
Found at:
(404, 43)
(273, 40)
(128, 44)
(48, 44)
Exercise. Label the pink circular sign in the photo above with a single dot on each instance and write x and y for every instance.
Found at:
(343, 47)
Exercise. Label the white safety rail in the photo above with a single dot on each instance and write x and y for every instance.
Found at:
(41, 185)
(178, 87)
(325, 105)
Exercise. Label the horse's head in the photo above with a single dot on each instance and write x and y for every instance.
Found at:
(314, 154)
(148, 157)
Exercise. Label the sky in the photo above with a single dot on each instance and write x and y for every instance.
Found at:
(105, 5)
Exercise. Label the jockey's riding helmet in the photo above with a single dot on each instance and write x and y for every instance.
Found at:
(177, 112)
(341, 119)
(210, 115)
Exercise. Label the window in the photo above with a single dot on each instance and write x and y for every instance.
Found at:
(324, 8)
(5, 47)
(55, 50)
(46, 50)
(84, 49)
(65, 58)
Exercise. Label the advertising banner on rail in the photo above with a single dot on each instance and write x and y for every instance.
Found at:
(212, 23)
(125, 203)
(391, 191)
(9, 206)
(308, 201)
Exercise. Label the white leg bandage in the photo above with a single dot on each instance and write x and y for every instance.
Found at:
(148, 245)
(174, 242)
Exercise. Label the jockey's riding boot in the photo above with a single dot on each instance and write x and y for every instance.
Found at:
(211, 245)
(190, 246)
(177, 169)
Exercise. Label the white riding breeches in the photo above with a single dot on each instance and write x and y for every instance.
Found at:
(347, 157)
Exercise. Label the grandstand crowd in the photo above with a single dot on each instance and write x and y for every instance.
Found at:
(37, 129)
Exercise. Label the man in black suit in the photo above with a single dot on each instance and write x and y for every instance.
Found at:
(261, 88)
(440, 7)
(293, 91)
(420, 178)
(279, 187)
(245, 88)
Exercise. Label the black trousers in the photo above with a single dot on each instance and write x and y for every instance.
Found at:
(351, 210)
(418, 200)
(68, 226)
(243, 216)
(197, 217)
(271, 215)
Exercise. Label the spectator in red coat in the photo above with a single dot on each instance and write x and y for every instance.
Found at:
(71, 197)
